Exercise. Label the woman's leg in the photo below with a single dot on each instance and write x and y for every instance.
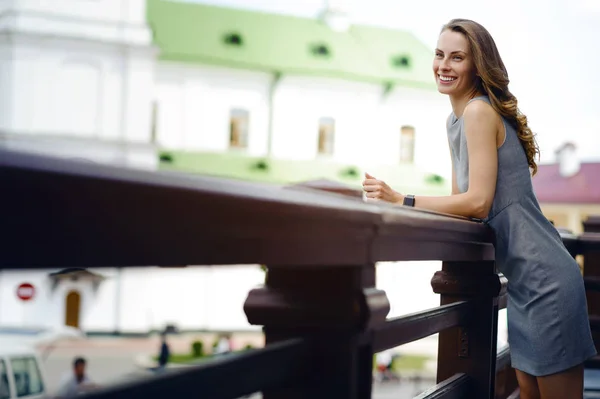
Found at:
(528, 385)
(567, 384)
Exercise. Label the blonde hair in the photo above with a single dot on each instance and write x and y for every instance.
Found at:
(492, 80)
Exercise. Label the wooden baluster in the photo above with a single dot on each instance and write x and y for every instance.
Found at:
(506, 382)
(332, 306)
(470, 349)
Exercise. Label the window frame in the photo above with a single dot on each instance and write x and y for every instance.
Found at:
(154, 115)
(32, 358)
(405, 131)
(326, 136)
(4, 364)
(241, 116)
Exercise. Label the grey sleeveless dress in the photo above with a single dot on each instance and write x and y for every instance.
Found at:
(548, 325)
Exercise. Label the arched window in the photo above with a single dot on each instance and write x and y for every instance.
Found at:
(407, 144)
(72, 308)
(326, 135)
(238, 128)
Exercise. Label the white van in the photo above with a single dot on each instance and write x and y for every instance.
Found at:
(21, 372)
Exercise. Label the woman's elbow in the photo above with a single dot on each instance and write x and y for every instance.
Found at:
(481, 207)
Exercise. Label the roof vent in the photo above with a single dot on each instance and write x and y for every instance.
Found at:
(234, 39)
(401, 61)
(320, 50)
(568, 162)
(336, 14)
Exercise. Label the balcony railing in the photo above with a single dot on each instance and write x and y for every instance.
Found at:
(322, 315)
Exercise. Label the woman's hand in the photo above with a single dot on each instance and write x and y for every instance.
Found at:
(379, 190)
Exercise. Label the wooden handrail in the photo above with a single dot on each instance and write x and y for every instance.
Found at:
(110, 216)
(592, 283)
(412, 327)
(592, 224)
(139, 218)
(456, 387)
(589, 242)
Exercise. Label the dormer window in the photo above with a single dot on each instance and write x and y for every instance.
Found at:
(401, 61)
(320, 50)
(234, 39)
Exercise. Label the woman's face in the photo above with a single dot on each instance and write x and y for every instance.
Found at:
(453, 65)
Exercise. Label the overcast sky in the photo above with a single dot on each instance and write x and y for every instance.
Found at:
(551, 50)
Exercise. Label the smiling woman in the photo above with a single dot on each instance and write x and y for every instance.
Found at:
(493, 157)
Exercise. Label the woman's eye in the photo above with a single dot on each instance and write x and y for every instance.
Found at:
(439, 55)
(458, 58)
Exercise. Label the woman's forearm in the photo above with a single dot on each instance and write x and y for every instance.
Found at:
(464, 204)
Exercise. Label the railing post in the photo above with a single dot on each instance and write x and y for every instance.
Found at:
(332, 307)
(470, 349)
(591, 276)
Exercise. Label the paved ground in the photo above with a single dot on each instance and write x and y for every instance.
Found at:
(111, 360)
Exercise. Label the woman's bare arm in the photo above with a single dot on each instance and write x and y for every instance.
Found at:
(455, 189)
(481, 128)
(480, 124)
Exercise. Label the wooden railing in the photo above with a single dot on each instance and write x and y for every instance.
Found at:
(588, 245)
(323, 317)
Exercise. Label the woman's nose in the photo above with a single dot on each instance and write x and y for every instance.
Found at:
(444, 65)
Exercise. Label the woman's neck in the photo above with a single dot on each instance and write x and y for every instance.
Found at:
(459, 103)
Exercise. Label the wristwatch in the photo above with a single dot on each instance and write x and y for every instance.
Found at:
(409, 200)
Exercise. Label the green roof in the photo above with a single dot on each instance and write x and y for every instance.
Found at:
(198, 33)
(403, 177)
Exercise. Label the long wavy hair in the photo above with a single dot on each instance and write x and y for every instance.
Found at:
(492, 79)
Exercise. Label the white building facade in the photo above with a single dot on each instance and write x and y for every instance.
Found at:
(77, 79)
(86, 79)
(193, 101)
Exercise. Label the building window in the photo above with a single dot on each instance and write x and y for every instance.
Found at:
(154, 122)
(79, 87)
(238, 128)
(407, 144)
(326, 135)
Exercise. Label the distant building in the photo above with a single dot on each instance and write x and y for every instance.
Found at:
(256, 85)
(77, 79)
(568, 190)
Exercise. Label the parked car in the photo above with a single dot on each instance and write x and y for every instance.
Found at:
(21, 372)
(43, 338)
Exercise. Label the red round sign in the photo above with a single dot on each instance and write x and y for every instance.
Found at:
(25, 291)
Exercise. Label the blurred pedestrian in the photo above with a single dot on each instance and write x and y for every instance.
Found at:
(76, 382)
(164, 353)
